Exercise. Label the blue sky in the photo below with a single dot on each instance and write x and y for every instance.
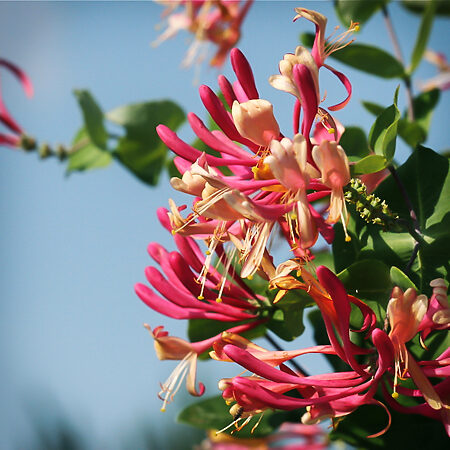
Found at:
(71, 337)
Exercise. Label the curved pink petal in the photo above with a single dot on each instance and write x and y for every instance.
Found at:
(244, 74)
(348, 86)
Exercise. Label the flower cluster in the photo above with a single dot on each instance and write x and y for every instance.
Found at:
(210, 21)
(256, 184)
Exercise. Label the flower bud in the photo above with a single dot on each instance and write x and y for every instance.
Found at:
(255, 121)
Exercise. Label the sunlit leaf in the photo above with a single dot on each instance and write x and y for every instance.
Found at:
(369, 164)
(383, 134)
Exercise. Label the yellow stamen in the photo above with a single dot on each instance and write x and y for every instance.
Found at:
(394, 395)
(200, 297)
(218, 300)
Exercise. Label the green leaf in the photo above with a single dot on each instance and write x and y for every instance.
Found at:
(406, 431)
(426, 179)
(369, 164)
(419, 6)
(368, 280)
(93, 118)
(354, 142)
(383, 133)
(400, 279)
(373, 108)
(141, 150)
(287, 319)
(422, 36)
(87, 156)
(214, 414)
(356, 10)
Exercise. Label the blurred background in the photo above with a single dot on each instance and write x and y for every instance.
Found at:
(77, 365)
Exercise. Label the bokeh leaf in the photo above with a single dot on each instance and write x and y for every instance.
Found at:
(422, 36)
(356, 10)
(86, 155)
(141, 150)
(419, 6)
(93, 118)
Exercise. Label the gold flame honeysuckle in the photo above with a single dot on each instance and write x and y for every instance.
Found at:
(334, 168)
(405, 312)
(254, 120)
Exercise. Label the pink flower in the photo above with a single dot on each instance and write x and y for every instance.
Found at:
(13, 139)
(174, 348)
(269, 177)
(217, 22)
(442, 79)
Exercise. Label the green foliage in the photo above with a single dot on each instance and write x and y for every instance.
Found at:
(356, 10)
(383, 134)
(368, 164)
(213, 414)
(93, 118)
(287, 316)
(406, 431)
(413, 133)
(419, 6)
(141, 150)
(422, 36)
(87, 155)
(400, 279)
(354, 142)
(425, 178)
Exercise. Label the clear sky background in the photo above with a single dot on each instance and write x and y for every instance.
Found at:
(71, 337)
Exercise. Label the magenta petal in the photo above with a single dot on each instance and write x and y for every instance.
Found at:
(348, 86)
(305, 85)
(249, 362)
(21, 75)
(244, 73)
(227, 90)
(189, 153)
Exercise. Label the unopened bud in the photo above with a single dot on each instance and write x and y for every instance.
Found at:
(255, 121)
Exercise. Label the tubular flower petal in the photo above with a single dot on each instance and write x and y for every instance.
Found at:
(333, 164)
(13, 139)
(255, 121)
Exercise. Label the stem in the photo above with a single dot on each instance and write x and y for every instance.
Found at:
(398, 55)
(416, 232)
(277, 347)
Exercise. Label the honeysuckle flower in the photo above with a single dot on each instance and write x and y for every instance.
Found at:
(217, 22)
(322, 47)
(442, 79)
(244, 207)
(174, 348)
(13, 137)
(437, 316)
(405, 312)
(333, 164)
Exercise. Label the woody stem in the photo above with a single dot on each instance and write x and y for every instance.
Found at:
(277, 347)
